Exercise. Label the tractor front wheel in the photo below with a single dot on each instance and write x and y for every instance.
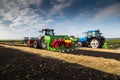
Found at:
(94, 43)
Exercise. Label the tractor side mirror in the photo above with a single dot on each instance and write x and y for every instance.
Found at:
(100, 33)
(40, 31)
(53, 33)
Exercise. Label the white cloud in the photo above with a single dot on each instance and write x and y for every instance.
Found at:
(20, 3)
(97, 15)
(49, 20)
(110, 11)
(6, 33)
(23, 19)
(83, 16)
(26, 3)
(4, 3)
(59, 5)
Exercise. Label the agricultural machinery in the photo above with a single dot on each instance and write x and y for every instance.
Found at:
(48, 40)
(93, 39)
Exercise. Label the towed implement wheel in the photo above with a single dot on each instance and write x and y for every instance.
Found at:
(43, 43)
(95, 43)
(79, 44)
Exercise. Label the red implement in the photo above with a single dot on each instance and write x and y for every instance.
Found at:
(57, 43)
(30, 43)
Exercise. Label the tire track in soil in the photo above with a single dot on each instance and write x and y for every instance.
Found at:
(108, 55)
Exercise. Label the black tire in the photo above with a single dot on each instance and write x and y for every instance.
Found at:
(85, 44)
(95, 43)
(36, 44)
(43, 44)
(102, 43)
(79, 44)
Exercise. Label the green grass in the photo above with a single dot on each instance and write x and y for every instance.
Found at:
(113, 43)
(10, 41)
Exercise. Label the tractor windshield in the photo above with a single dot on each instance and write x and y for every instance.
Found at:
(46, 32)
(49, 32)
(93, 33)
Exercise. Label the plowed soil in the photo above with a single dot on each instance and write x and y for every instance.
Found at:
(16, 64)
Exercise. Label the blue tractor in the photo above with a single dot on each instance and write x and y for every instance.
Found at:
(92, 39)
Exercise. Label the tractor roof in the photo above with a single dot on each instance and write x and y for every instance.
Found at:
(47, 29)
(93, 30)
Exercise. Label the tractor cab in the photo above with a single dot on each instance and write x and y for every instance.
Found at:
(93, 33)
(43, 33)
(47, 32)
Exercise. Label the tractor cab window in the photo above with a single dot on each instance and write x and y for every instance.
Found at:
(49, 32)
(93, 34)
(46, 32)
(89, 34)
(97, 33)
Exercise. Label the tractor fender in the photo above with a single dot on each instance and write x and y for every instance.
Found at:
(40, 37)
(89, 39)
(101, 39)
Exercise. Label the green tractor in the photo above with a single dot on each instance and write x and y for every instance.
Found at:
(49, 41)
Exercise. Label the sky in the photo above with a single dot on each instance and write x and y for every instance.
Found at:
(20, 18)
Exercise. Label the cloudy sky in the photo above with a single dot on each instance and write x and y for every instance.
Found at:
(19, 18)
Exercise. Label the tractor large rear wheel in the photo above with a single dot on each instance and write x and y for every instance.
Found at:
(94, 43)
(43, 43)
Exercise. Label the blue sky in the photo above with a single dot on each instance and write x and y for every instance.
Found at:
(19, 18)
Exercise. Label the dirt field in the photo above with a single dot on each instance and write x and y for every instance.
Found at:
(23, 63)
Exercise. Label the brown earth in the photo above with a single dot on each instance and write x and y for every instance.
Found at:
(34, 64)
